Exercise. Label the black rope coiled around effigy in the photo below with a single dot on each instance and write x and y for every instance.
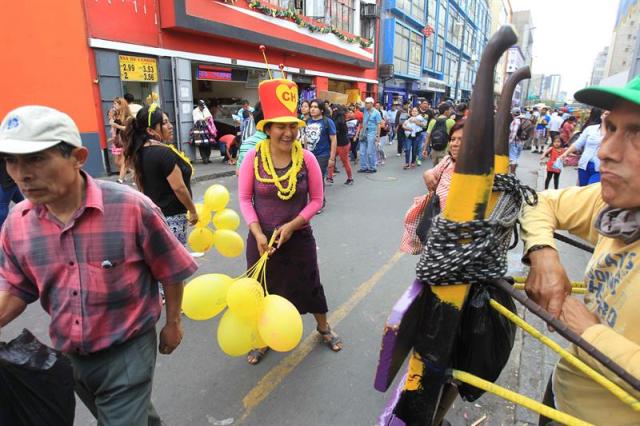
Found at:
(475, 251)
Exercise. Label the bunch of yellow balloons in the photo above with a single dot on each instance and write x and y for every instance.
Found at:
(254, 320)
(225, 239)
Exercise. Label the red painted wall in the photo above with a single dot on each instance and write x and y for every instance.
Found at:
(46, 60)
(124, 20)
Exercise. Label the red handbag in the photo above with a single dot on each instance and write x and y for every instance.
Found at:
(410, 242)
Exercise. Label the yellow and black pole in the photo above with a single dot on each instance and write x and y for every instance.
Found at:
(468, 199)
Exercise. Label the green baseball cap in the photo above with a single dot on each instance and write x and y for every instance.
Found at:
(608, 97)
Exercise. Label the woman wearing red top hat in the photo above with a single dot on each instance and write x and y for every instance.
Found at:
(280, 190)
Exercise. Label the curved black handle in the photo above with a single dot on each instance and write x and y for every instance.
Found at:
(503, 115)
(476, 152)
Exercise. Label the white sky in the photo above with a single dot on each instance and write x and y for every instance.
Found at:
(568, 35)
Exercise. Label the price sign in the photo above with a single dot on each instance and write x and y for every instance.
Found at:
(136, 68)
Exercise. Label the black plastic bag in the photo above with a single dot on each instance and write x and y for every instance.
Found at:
(485, 338)
(36, 384)
(431, 210)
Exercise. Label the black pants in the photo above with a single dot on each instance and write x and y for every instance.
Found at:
(401, 137)
(205, 151)
(355, 144)
(556, 179)
(548, 400)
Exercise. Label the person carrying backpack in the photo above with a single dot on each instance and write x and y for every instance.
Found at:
(518, 133)
(438, 133)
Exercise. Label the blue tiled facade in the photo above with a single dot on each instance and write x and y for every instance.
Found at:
(427, 67)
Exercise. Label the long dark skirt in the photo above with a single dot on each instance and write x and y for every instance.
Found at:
(292, 271)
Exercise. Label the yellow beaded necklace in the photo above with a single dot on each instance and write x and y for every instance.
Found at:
(297, 158)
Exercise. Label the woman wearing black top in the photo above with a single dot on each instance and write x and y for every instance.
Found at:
(344, 145)
(161, 173)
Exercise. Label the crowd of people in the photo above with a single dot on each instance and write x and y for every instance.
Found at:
(99, 254)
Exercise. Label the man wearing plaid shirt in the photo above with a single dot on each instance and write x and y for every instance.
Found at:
(93, 252)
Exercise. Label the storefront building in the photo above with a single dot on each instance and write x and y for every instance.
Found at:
(179, 51)
(431, 48)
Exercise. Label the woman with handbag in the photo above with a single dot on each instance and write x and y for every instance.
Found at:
(417, 220)
(438, 179)
(280, 189)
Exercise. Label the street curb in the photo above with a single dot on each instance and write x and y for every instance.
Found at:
(216, 175)
(202, 178)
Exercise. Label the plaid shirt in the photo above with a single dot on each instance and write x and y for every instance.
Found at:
(513, 130)
(98, 275)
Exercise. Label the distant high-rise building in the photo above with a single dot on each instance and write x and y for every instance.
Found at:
(600, 62)
(550, 87)
(623, 40)
(524, 26)
(535, 88)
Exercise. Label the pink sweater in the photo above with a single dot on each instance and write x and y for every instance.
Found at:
(246, 180)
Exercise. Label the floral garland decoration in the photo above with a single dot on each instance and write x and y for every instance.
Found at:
(297, 158)
(294, 16)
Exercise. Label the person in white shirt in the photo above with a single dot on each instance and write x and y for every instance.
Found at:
(133, 107)
(555, 124)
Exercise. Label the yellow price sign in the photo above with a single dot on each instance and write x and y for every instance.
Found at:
(136, 68)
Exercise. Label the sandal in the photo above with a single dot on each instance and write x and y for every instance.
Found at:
(335, 344)
(256, 355)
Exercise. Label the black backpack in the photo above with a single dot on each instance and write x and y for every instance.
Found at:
(524, 130)
(439, 135)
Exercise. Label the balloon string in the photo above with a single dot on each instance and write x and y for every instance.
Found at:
(259, 270)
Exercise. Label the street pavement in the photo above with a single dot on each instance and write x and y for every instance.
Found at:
(363, 274)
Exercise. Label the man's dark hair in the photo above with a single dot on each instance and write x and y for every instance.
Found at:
(64, 149)
(443, 107)
(128, 97)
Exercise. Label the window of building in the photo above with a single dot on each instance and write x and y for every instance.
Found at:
(451, 68)
(285, 4)
(429, 51)
(417, 10)
(431, 12)
(440, 55)
(407, 54)
(401, 50)
(453, 28)
(415, 54)
(442, 19)
(413, 8)
(341, 14)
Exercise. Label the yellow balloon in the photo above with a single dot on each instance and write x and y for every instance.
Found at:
(200, 239)
(216, 197)
(235, 334)
(256, 340)
(280, 323)
(245, 298)
(229, 243)
(226, 219)
(204, 215)
(205, 296)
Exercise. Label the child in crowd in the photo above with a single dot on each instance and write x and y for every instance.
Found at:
(554, 166)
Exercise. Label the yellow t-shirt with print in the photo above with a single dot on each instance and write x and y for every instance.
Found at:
(613, 279)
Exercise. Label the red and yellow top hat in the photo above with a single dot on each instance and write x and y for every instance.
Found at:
(279, 98)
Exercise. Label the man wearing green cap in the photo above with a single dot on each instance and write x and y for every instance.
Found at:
(608, 215)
